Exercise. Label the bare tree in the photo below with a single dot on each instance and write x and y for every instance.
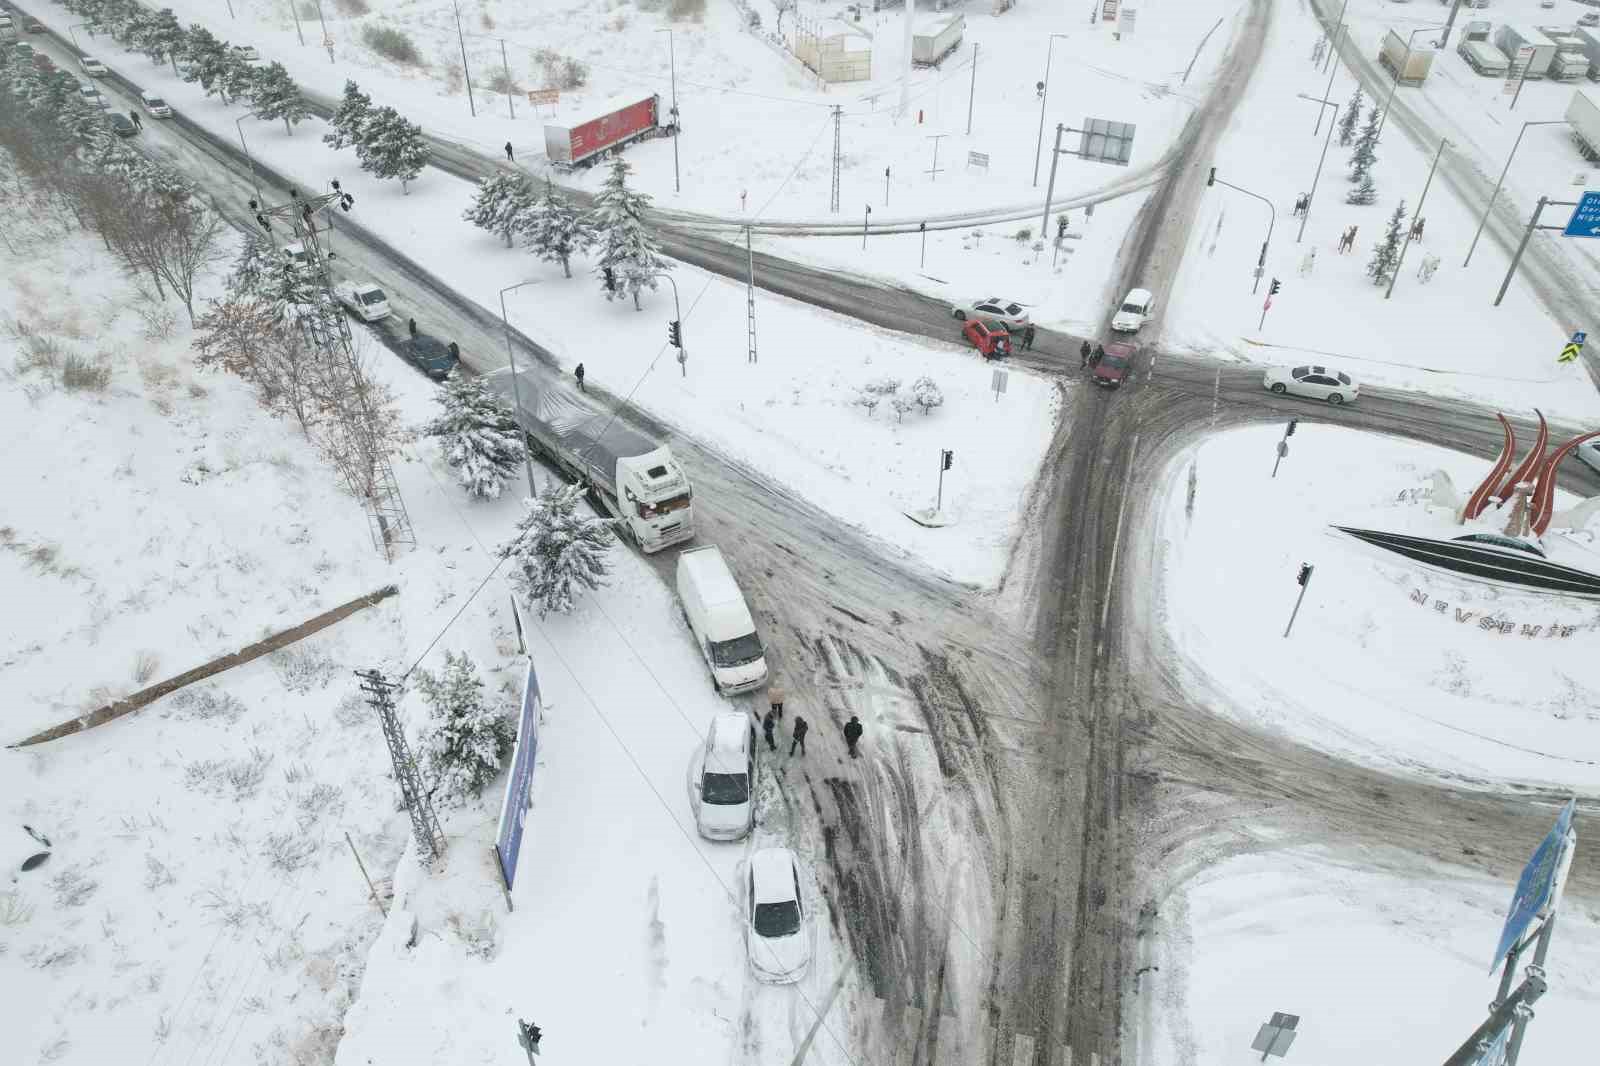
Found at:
(360, 424)
(234, 335)
(187, 243)
(782, 7)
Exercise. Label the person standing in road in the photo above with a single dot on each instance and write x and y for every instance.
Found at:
(768, 724)
(852, 735)
(775, 697)
(411, 324)
(1083, 354)
(509, 157)
(138, 123)
(578, 373)
(1027, 337)
(1099, 354)
(801, 728)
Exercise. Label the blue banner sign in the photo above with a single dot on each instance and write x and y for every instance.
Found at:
(519, 782)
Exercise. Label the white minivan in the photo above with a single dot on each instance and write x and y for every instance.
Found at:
(725, 780)
(720, 621)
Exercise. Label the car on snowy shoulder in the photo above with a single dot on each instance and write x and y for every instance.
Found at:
(724, 782)
(431, 355)
(90, 95)
(246, 53)
(992, 341)
(777, 930)
(1312, 382)
(363, 299)
(92, 66)
(121, 125)
(155, 105)
(1134, 312)
(1008, 313)
(33, 25)
(1112, 369)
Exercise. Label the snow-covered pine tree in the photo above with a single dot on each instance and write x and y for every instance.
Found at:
(273, 94)
(479, 435)
(1387, 254)
(245, 280)
(1351, 116)
(468, 735)
(348, 117)
(1365, 153)
(627, 249)
(1365, 193)
(554, 230)
(557, 549)
(297, 299)
(238, 77)
(205, 57)
(161, 36)
(501, 203)
(391, 147)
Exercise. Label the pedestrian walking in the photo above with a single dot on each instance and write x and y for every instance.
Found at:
(578, 373)
(411, 324)
(1416, 234)
(775, 697)
(768, 724)
(509, 157)
(1027, 337)
(138, 123)
(1350, 244)
(800, 731)
(852, 735)
(1083, 355)
(1099, 354)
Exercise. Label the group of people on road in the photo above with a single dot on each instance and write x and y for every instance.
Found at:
(769, 727)
(1089, 358)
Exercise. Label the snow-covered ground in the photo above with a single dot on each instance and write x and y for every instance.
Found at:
(1370, 670)
(1440, 336)
(1382, 963)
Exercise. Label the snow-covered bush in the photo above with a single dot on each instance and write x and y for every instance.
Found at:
(391, 44)
(467, 737)
(558, 549)
(869, 400)
(925, 391)
(884, 386)
(479, 435)
(901, 405)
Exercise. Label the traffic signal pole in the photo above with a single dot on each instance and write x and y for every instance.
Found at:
(946, 460)
(1305, 579)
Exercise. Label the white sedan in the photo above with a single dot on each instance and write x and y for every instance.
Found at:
(364, 300)
(1010, 314)
(247, 53)
(1312, 382)
(777, 931)
(92, 66)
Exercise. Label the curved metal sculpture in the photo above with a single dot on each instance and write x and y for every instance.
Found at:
(1530, 464)
(1480, 496)
(1544, 492)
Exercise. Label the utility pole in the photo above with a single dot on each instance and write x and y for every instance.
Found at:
(933, 173)
(885, 186)
(424, 823)
(672, 65)
(1305, 579)
(1044, 94)
(505, 65)
(327, 41)
(922, 227)
(833, 202)
(1329, 88)
(465, 69)
(1050, 190)
(296, 13)
(516, 393)
(1443, 141)
(972, 89)
(905, 72)
(1272, 222)
(1331, 35)
(750, 299)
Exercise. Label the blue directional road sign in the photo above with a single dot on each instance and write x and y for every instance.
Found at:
(1536, 885)
(1585, 220)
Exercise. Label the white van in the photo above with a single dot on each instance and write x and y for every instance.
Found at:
(720, 621)
(155, 105)
(1135, 309)
(725, 781)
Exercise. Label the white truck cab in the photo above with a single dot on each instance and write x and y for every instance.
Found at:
(655, 498)
(720, 621)
(1135, 310)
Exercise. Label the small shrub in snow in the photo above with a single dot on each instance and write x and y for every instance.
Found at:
(901, 405)
(558, 549)
(351, 710)
(72, 887)
(80, 374)
(208, 703)
(391, 44)
(352, 8)
(927, 394)
(43, 957)
(287, 852)
(304, 668)
(560, 72)
(885, 386)
(679, 10)
(499, 83)
(242, 777)
(468, 736)
(14, 910)
(869, 400)
(156, 874)
(319, 800)
(228, 907)
(476, 937)
(1023, 235)
(144, 666)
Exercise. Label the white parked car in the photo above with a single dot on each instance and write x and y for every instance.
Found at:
(777, 931)
(724, 782)
(297, 251)
(363, 299)
(92, 66)
(1312, 382)
(247, 53)
(155, 105)
(1589, 455)
(1010, 314)
(92, 95)
(1133, 313)
(1589, 19)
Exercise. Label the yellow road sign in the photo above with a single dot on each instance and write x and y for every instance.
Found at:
(1569, 353)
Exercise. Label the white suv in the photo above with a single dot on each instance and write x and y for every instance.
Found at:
(155, 105)
(725, 779)
(1133, 313)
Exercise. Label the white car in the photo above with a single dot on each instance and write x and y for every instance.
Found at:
(297, 251)
(155, 105)
(1135, 310)
(1010, 314)
(1589, 455)
(777, 933)
(92, 95)
(247, 53)
(363, 299)
(724, 782)
(92, 66)
(1313, 382)
(1589, 19)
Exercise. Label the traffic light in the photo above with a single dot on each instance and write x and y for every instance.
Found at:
(1276, 285)
(1212, 180)
(675, 334)
(528, 1036)
(949, 458)
(610, 278)
(1305, 574)
(1061, 226)
(1289, 432)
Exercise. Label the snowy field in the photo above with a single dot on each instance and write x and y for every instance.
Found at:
(1333, 314)
(754, 120)
(1370, 671)
(1384, 964)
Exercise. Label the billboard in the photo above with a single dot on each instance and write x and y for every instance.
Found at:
(519, 782)
(1536, 886)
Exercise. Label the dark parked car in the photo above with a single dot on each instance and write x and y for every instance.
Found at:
(431, 355)
(120, 124)
(33, 25)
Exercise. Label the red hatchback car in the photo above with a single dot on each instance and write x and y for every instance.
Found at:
(1115, 367)
(991, 339)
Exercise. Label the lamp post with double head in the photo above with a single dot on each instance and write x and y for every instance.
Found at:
(1503, 172)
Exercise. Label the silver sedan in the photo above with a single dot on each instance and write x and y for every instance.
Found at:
(1010, 314)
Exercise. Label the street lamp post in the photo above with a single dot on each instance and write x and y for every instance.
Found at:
(1398, 71)
(1044, 94)
(1503, 171)
(1398, 263)
(1331, 72)
(256, 184)
(516, 396)
(1332, 122)
(672, 65)
(1272, 221)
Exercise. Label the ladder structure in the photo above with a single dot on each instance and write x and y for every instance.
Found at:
(424, 823)
(833, 203)
(750, 300)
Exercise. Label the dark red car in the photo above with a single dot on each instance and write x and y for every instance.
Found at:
(1115, 366)
(990, 338)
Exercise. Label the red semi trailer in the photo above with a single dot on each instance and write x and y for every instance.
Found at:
(617, 123)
